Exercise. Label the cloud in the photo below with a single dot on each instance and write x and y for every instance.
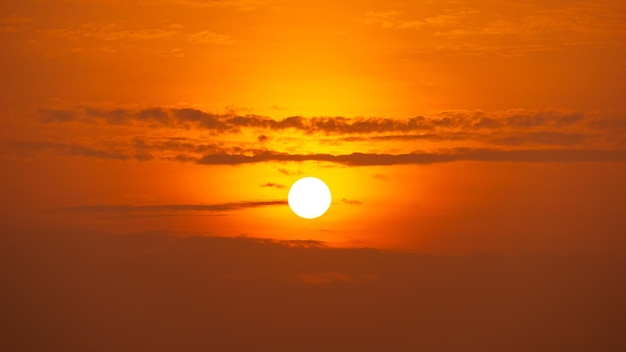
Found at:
(274, 185)
(289, 172)
(541, 138)
(351, 202)
(215, 154)
(542, 118)
(444, 136)
(15, 19)
(241, 5)
(409, 137)
(577, 19)
(13, 23)
(55, 115)
(395, 19)
(174, 53)
(451, 121)
(609, 124)
(478, 30)
(68, 149)
(112, 32)
(208, 37)
(424, 158)
(167, 208)
(384, 19)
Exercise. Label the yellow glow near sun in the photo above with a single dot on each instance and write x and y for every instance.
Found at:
(309, 197)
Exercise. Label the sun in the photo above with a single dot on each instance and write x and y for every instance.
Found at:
(309, 197)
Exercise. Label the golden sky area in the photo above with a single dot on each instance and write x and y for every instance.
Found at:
(439, 126)
(475, 151)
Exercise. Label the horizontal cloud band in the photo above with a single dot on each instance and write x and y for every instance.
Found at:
(364, 159)
(173, 207)
(229, 123)
(227, 156)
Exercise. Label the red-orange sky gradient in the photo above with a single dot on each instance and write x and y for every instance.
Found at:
(146, 138)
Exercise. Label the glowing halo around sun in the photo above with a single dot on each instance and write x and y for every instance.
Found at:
(309, 197)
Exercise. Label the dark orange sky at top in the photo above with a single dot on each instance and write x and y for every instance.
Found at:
(444, 128)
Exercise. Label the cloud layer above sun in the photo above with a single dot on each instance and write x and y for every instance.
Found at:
(192, 135)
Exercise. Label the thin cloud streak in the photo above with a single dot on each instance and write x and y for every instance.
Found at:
(273, 185)
(126, 208)
(75, 150)
(351, 201)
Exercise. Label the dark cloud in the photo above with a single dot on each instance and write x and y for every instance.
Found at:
(176, 144)
(68, 149)
(54, 115)
(113, 116)
(155, 115)
(213, 154)
(454, 121)
(441, 136)
(369, 159)
(288, 172)
(488, 123)
(165, 208)
(541, 137)
(611, 123)
(543, 118)
(199, 118)
(351, 202)
(274, 185)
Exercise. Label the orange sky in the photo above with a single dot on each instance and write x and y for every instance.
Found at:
(440, 127)
(475, 151)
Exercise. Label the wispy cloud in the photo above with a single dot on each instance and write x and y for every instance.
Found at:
(477, 30)
(351, 201)
(69, 149)
(240, 5)
(209, 37)
(168, 208)
(273, 185)
(398, 20)
(541, 138)
(111, 37)
(13, 23)
(112, 32)
(15, 19)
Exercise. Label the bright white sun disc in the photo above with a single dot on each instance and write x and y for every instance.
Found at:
(309, 197)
